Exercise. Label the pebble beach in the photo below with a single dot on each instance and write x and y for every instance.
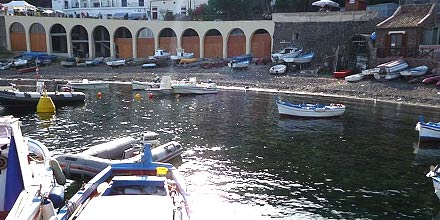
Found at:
(306, 81)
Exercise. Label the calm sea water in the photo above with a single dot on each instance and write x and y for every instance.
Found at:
(243, 161)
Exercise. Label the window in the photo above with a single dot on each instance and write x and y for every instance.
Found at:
(295, 36)
(96, 4)
(183, 10)
(396, 40)
(66, 4)
(124, 3)
(154, 11)
(141, 3)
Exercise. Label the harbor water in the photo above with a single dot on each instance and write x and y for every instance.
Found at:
(243, 161)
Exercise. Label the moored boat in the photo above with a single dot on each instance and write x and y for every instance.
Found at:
(115, 63)
(138, 85)
(428, 131)
(354, 77)
(191, 86)
(431, 80)
(122, 190)
(122, 150)
(300, 59)
(416, 71)
(309, 110)
(31, 182)
(86, 84)
(17, 98)
(239, 65)
(278, 69)
(342, 73)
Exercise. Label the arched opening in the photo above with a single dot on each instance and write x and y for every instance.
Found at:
(18, 37)
(168, 40)
(145, 43)
(80, 41)
(38, 38)
(101, 39)
(123, 43)
(58, 38)
(213, 44)
(191, 42)
(261, 43)
(236, 43)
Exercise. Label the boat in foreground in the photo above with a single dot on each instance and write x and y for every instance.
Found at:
(309, 110)
(86, 84)
(191, 86)
(131, 191)
(428, 131)
(17, 98)
(30, 179)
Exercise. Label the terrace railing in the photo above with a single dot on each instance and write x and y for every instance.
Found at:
(405, 52)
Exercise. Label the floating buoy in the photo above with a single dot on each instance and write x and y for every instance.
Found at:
(99, 95)
(137, 96)
(45, 104)
(150, 95)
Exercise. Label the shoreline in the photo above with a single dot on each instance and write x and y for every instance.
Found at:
(256, 77)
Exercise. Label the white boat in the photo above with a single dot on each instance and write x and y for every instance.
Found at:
(19, 63)
(416, 71)
(181, 54)
(300, 59)
(86, 84)
(434, 174)
(160, 53)
(193, 87)
(239, 65)
(5, 65)
(393, 75)
(428, 131)
(278, 69)
(394, 66)
(164, 87)
(372, 71)
(122, 150)
(69, 62)
(30, 179)
(115, 63)
(149, 65)
(136, 190)
(138, 85)
(309, 110)
(354, 77)
(288, 52)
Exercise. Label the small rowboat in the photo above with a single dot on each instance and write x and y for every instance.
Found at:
(28, 70)
(309, 110)
(431, 80)
(278, 69)
(354, 77)
(342, 73)
(416, 71)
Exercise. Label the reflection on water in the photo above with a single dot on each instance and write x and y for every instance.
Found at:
(242, 161)
(427, 153)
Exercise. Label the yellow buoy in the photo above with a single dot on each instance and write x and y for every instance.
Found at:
(45, 104)
(137, 96)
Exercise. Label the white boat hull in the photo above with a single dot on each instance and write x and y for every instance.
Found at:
(278, 69)
(312, 112)
(89, 85)
(428, 131)
(137, 85)
(354, 77)
(203, 88)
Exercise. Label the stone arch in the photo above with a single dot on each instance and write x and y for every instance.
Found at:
(236, 43)
(17, 35)
(80, 41)
(261, 43)
(145, 42)
(58, 39)
(213, 44)
(101, 40)
(356, 53)
(168, 40)
(191, 42)
(123, 43)
(38, 38)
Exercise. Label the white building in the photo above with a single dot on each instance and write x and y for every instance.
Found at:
(143, 9)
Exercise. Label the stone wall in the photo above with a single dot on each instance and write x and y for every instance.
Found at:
(2, 33)
(322, 38)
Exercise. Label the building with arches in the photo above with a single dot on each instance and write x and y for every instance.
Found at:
(136, 39)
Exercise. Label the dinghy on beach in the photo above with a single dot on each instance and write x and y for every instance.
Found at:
(278, 69)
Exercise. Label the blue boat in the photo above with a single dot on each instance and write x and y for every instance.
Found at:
(131, 191)
(301, 59)
(428, 131)
(242, 58)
